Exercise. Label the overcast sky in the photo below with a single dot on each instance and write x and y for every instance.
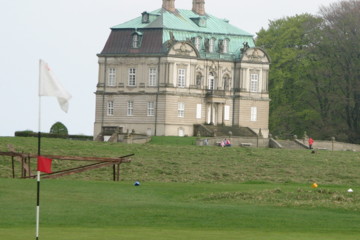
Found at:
(68, 34)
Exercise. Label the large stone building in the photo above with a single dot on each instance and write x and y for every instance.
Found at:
(168, 70)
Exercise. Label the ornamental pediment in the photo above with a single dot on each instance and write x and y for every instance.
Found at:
(183, 49)
(255, 55)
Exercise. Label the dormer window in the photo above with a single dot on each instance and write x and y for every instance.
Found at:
(225, 46)
(211, 45)
(200, 21)
(145, 17)
(136, 39)
(197, 42)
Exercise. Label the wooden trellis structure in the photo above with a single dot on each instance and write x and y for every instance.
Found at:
(98, 162)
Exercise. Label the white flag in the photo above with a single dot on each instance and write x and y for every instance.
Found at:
(49, 86)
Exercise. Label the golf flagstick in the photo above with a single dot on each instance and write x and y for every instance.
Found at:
(48, 86)
(38, 153)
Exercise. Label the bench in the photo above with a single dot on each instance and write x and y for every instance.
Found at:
(245, 144)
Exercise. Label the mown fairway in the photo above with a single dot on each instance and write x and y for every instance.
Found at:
(186, 192)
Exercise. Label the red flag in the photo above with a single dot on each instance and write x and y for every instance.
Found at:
(44, 164)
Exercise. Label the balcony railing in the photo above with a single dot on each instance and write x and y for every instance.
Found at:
(215, 93)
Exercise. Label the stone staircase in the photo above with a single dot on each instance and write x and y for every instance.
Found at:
(215, 131)
(290, 144)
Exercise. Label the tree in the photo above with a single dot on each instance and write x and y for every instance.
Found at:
(59, 129)
(336, 77)
(315, 72)
(286, 41)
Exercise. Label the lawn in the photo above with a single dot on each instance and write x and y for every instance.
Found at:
(186, 192)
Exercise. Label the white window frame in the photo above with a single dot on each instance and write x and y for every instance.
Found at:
(254, 82)
(211, 45)
(130, 108)
(181, 110)
(198, 111)
(181, 77)
(151, 109)
(112, 77)
(152, 77)
(110, 108)
(132, 77)
(225, 45)
(253, 117)
(198, 43)
(211, 81)
(136, 41)
(227, 113)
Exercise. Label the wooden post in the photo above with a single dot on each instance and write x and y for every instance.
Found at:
(22, 167)
(29, 159)
(118, 172)
(114, 171)
(13, 166)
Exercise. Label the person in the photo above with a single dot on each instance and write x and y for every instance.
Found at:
(227, 143)
(311, 142)
(222, 144)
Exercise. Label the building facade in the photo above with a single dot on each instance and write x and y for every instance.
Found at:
(168, 70)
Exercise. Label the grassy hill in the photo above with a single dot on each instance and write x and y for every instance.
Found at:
(186, 192)
(179, 160)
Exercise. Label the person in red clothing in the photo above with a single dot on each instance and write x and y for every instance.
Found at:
(311, 141)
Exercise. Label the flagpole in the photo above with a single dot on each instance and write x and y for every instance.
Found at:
(48, 86)
(39, 153)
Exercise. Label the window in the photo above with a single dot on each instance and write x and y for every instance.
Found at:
(197, 43)
(130, 108)
(181, 78)
(112, 77)
(110, 108)
(136, 40)
(152, 77)
(145, 17)
(181, 110)
(254, 82)
(198, 111)
(132, 77)
(211, 81)
(151, 109)
(253, 114)
(227, 113)
(211, 45)
(225, 46)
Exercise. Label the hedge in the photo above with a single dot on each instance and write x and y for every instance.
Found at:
(49, 135)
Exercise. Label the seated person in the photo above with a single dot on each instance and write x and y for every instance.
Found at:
(227, 143)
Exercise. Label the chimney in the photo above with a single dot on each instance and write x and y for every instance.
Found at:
(199, 7)
(169, 5)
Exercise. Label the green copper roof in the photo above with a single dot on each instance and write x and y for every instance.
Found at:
(184, 25)
(182, 21)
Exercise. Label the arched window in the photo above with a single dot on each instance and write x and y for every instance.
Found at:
(197, 43)
(226, 46)
(211, 45)
(136, 39)
(145, 17)
(211, 81)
